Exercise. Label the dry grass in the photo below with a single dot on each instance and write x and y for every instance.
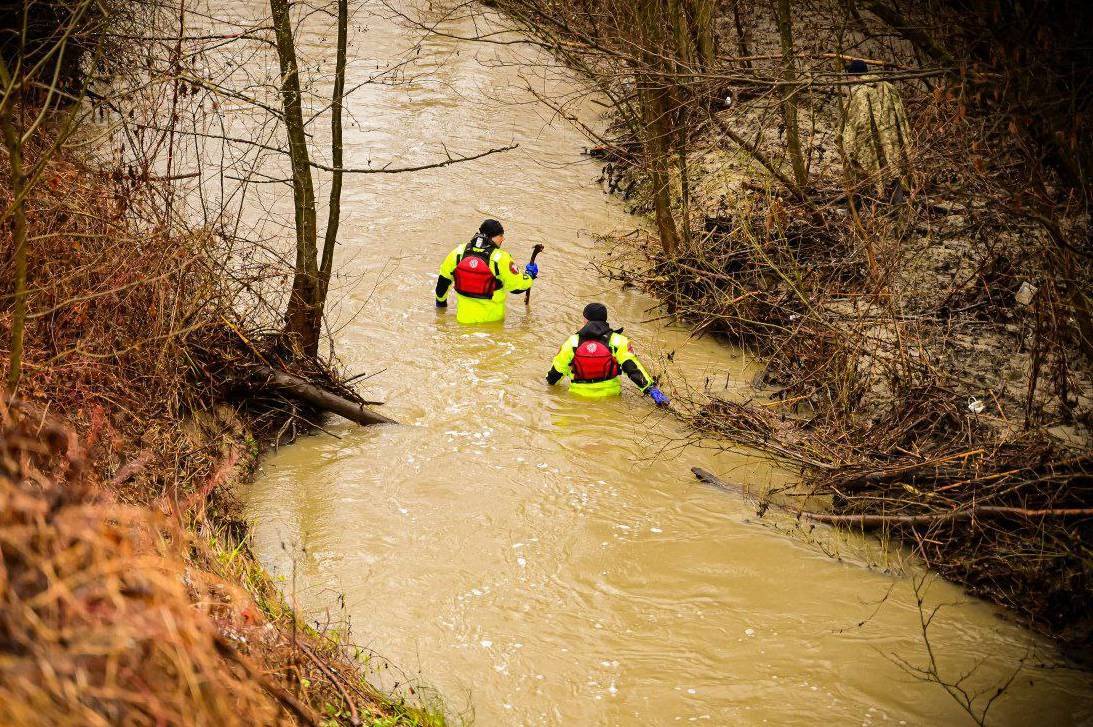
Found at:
(98, 623)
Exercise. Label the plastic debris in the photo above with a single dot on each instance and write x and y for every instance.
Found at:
(1025, 293)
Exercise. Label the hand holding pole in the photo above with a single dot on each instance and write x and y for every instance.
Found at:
(534, 254)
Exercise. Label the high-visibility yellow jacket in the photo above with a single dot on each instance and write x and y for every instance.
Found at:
(482, 310)
(623, 352)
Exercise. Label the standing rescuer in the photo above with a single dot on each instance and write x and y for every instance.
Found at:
(483, 274)
(594, 357)
(875, 134)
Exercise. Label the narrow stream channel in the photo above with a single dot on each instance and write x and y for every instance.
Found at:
(544, 560)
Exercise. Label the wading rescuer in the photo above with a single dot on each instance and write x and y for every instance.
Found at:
(483, 274)
(594, 357)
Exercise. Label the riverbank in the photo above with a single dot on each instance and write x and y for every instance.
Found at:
(130, 593)
(928, 363)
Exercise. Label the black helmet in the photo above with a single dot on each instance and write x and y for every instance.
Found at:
(491, 228)
(595, 312)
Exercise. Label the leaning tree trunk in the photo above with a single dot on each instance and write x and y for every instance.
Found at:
(789, 106)
(303, 318)
(334, 209)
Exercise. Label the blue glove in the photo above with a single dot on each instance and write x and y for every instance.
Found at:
(532, 269)
(658, 396)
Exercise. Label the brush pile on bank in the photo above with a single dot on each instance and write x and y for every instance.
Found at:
(127, 593)
(928, 360)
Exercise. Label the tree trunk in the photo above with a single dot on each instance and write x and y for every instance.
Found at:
(303, 318)
(682, 154)
(14, 145)
(702, 17)
(323, 400)
(657, 150)
(334, 209)
(654, 35)
(741, 32)
(789, 106)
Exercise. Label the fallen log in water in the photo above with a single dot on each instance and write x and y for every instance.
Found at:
(711, 479)
(321, 399)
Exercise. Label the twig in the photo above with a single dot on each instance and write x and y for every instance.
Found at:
(354, 718)
(301, 710)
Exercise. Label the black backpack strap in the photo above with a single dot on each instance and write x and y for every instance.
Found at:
(605, 339)
(482, 248)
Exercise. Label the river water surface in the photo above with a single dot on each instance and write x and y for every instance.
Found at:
(544, 560)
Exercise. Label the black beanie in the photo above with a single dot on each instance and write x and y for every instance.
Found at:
(857, 67)
(491, 229)
(595, 312)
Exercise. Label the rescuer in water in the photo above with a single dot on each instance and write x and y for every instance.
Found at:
(483, 274)
(594, 356)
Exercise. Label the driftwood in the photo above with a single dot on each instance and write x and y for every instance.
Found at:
(323, 400)
(711, 479)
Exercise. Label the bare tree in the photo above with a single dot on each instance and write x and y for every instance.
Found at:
(784, 15)
(311, 275)
(334, 208)
(303, 318)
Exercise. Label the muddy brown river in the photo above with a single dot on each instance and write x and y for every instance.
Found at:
(539, 559)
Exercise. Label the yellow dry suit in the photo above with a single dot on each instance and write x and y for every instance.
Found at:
(593, 358)
(483, 274)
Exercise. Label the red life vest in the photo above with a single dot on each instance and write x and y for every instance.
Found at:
(474, 277)
(594, 361)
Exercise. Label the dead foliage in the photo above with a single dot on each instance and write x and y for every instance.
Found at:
(115, 614)
(134, 327)
(98, 622)
(127, 592)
